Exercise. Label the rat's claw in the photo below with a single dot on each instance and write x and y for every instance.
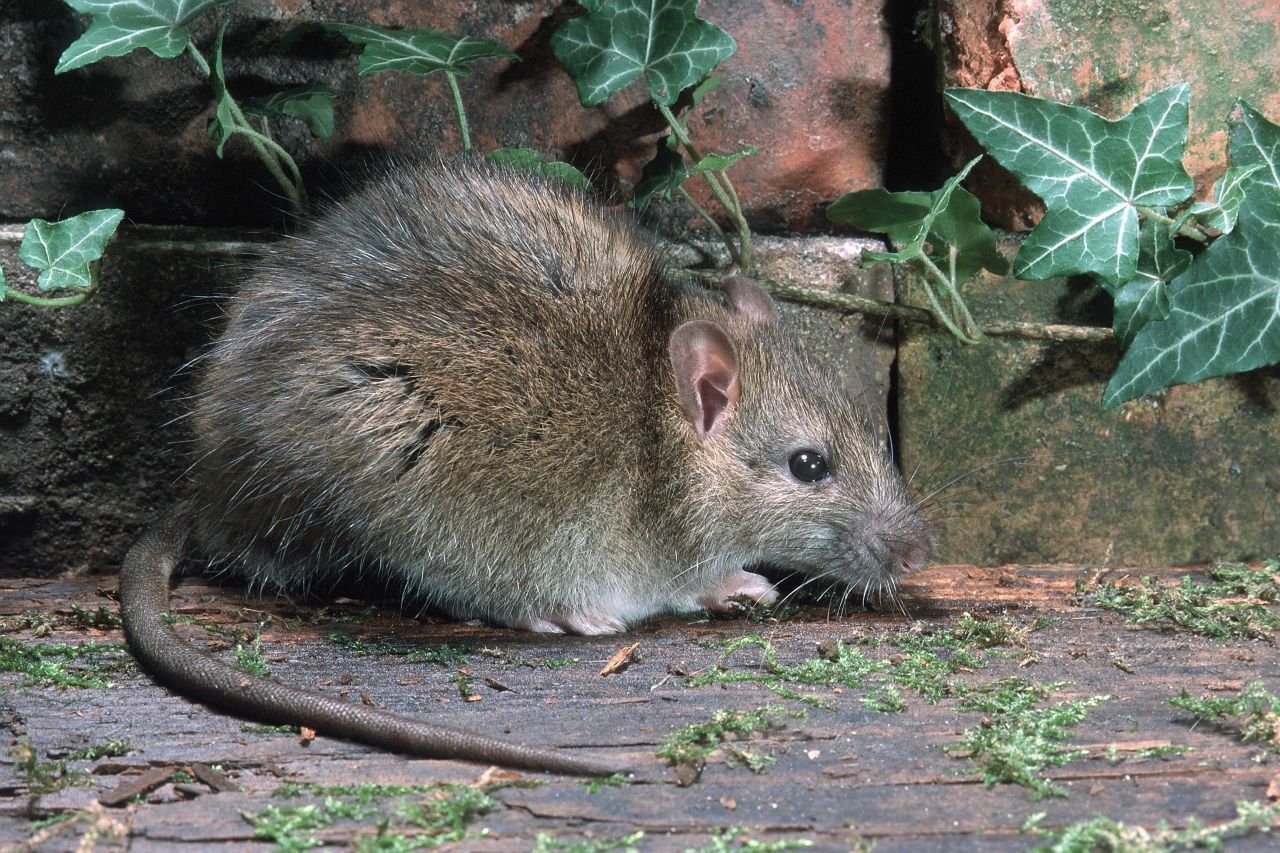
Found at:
(753, 586)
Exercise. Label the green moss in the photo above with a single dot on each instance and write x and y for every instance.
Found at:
(1239, 601)
(885, 699)
(732, 838)
(1101, 833)
(419, 815)
(263, 729)
(694, 743)
(62, 664)
(249, 659)
(543, 843)
(842, 667)
(100, 618)
(45, 777)
(614, 780)
(1253, 713)
(443, 654)
(1015, 744)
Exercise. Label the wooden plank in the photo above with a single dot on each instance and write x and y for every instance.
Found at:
(839, 774)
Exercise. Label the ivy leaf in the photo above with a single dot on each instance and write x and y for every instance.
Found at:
(1224, 314)
(415, 51)
(720, 162)
(947, 217)
(4, 286)
(1093, 174)
(1146, 296)
(1228, 193)
(528, 160)
(222, 125)
(119, 28)
(64, 250)
(312, 102)
(1254, 141)
(662, 175)
(617, 43)
(878, 211)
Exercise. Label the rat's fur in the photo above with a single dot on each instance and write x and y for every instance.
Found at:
(461, 380)
(484, 390)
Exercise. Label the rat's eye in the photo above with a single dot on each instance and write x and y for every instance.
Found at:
(809, 466)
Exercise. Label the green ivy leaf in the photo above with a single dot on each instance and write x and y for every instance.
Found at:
(720, 162)
(222, 125)
(1093, 174)
(1254, 141)
(64, 250)
(4, 286)
(1228, 193)
(947, 217)
(120, 27)
(312, 102)
(415, 51)
(528, 160)
(878, 211)
(662, 175)
(615, 44)
(1224, 314)
(1146, 296)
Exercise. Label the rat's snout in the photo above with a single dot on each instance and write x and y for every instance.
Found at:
(893, 542)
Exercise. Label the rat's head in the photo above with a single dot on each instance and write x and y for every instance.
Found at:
(787, 471)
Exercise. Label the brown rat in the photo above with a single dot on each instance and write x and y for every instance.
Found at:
(479, 389)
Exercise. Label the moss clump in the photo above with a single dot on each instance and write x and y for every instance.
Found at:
(1016, 743)
(63, 664)
(442, 654)
(692, 744)
(1101, 833)
(417, 816)
(1238, 601)
(1254, 712)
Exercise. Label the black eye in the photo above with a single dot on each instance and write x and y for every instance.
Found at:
(808, 466)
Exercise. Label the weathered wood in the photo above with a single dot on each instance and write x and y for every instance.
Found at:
(840, 774)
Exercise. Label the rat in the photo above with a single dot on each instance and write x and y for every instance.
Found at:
(483, 390)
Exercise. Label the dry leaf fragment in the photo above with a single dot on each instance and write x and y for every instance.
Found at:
(496, 684)
(1273, 789)
(306, 734)
(620, 660)
(495, 776)
(729, 803)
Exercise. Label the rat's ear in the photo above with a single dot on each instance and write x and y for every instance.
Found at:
(750, 299)
(705, 364)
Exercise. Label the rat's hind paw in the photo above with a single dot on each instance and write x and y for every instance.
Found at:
(753, 586)
(589, 624)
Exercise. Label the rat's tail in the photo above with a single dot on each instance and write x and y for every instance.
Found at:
(144, 597)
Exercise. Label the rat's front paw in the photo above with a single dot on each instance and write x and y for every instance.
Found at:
(589, 624)
(753, 586)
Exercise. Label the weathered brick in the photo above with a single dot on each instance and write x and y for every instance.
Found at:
(808, 86)
(1031, 469)
(1107, 55)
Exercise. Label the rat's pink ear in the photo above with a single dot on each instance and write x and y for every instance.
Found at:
(750, 299)
(705, 364)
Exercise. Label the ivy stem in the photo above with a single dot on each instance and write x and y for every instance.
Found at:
(269, 151)
(462, 113)
(95, 268)
(715, 226)
(1186, 229)
(49, 301)
(932, 271)
(728, 198)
